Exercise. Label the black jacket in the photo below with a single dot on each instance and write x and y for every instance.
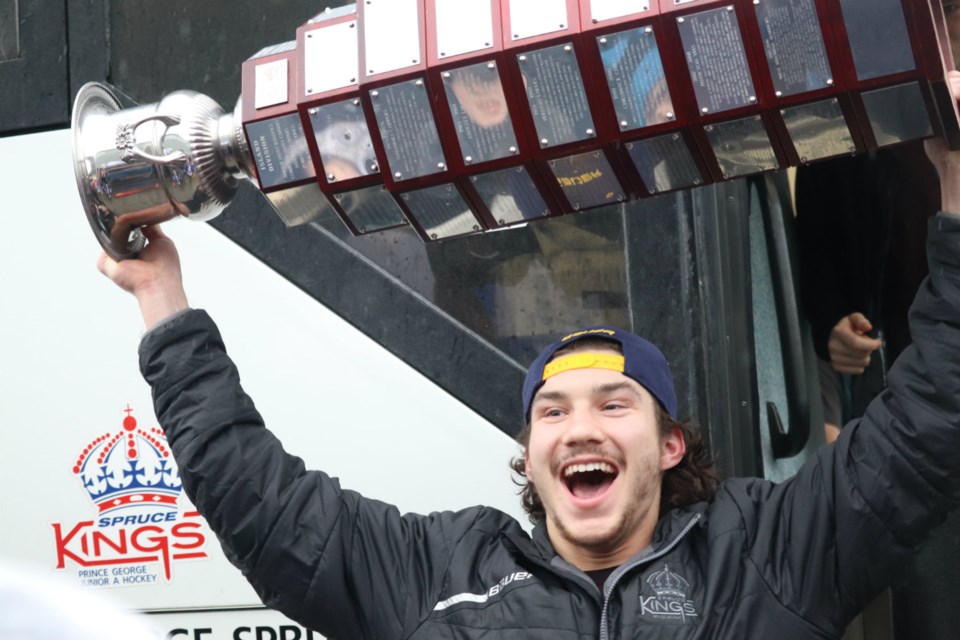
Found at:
(794, 560)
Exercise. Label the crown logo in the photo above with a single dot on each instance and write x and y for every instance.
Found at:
(668, 584)
(129, 469)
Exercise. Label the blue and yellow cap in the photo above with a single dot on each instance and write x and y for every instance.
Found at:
(641, 361)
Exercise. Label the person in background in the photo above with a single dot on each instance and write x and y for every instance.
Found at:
(861, 231)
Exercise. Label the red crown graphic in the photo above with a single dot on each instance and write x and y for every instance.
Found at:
(130, 468)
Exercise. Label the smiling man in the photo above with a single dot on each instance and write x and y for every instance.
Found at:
(632, 536)
(599, 440)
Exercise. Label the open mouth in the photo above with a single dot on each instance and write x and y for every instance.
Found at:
(589, 481)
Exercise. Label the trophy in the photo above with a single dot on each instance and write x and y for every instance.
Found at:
(144, 165)
(457, 117)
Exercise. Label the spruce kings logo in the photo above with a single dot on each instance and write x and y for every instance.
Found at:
(138, 534)
(669, 602)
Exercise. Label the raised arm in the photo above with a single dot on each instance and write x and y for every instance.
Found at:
(832, 537)
(334, 561)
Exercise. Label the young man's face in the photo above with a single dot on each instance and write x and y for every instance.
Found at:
(596, 459)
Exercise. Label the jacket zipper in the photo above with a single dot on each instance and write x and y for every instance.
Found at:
(604, 632)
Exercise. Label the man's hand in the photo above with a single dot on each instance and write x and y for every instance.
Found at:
(153, 277)
(947, 162)
(849, 346)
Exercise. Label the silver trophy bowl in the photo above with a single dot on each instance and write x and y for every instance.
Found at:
(182, 156)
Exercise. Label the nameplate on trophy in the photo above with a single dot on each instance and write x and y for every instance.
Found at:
(510, 195)
(271, 83)
(343, 140)
(742, 147)
(331, 58)
(878, 36)
(408, 130)
(301, 204)
(636, 78)
(818, 130)
(369, 209)
(534, 18)
(603, 10)
(555, 92)
(665, 162)
(280, 151)
(462, 27)
(715, 56)
(480, 112)
(794, 46)
(392, 35)
(587, 180)
(897, 113)
(440, 211)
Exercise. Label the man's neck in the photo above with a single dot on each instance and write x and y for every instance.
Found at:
(594, 557)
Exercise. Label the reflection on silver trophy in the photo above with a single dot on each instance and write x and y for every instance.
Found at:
(181, 156)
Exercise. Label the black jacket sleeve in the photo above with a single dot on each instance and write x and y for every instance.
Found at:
(832, 537)
(334, 561)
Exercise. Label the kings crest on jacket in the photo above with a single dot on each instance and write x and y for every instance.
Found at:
(138, 532)
(669, 602)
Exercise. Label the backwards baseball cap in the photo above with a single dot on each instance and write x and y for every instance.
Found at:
(641, 361)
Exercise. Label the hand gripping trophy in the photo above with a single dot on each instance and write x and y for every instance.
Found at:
(460, 116)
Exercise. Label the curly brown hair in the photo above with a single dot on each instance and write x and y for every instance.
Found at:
(694, 479)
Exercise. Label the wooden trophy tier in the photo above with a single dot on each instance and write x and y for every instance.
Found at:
(461, 116)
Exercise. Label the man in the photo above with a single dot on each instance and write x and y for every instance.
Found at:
(611, 555)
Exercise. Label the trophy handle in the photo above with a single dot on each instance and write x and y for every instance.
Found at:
(126, 141)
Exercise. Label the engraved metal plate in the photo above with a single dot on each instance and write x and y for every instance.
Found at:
(665, 163)
(510, 195)
(897, 113)
(818, 130)
(270, 82)
(391, 35)
(441, 211)
(331, 58)
(793, 42)
(343, 140)
(742, 147)
(480, 114)
(408, 130)
(636, 79)
(601, 10)
(877, 32)
(463, 26)
(587, 180)
(371, 209)
(299, 205)
(530, 18)
(280, 150)
(717, 61)
(556, 95)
